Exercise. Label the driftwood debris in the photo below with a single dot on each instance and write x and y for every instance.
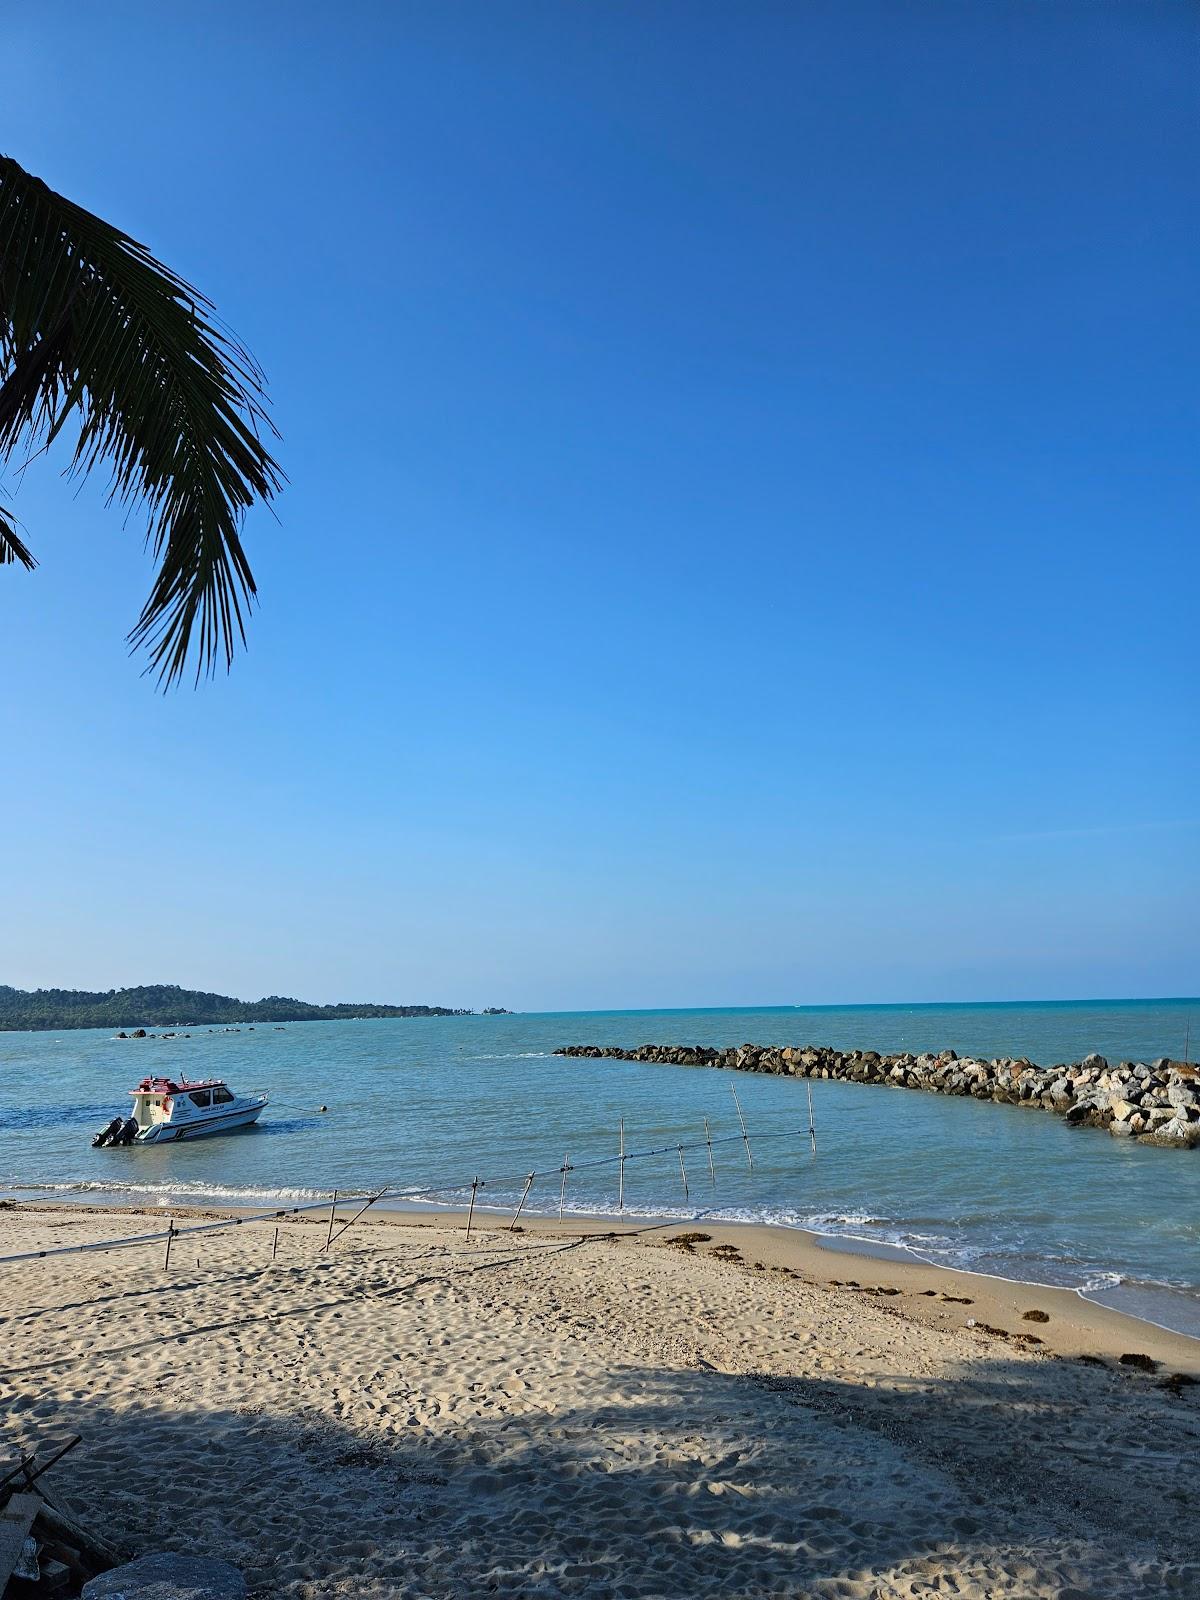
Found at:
(16, 1524)
(45, 1552)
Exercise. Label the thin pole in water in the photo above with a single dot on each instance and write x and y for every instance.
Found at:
(683, 1172)
(332, 1212)
(562, 1193)
(742, 1120)
(621, 1166)
(812, 1127)
(471, 1208)
(521, 1206)
(712, 1171)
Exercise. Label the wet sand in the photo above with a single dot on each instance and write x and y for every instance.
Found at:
(589, 1411)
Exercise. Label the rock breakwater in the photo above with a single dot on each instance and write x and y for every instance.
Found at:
(1155, 1102)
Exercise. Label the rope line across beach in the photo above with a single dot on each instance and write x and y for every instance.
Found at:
(401, 1192)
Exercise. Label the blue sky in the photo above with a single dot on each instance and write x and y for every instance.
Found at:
(740, 543)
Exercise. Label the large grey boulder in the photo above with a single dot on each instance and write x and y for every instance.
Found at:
(1177, 1133)
(164, 1576)
(1159, 1117)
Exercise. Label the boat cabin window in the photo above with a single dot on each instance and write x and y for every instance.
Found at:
(201, 1097)
(221, 1096)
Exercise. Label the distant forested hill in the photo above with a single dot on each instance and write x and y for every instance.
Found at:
(159, 1004)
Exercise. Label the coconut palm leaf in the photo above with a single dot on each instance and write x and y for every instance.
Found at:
(99, 337)
(12, 550)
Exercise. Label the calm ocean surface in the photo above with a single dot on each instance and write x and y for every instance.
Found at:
(429, 1103)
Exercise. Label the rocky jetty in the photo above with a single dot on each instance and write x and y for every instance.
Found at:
(1157, 1103)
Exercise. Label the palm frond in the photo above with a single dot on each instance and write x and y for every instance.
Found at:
(13, 551)
(97, 334)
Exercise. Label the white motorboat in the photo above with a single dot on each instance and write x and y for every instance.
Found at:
(164, 1110)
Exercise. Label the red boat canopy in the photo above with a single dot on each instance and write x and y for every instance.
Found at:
(169, 1086)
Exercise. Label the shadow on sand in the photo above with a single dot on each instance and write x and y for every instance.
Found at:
(1020, 1478)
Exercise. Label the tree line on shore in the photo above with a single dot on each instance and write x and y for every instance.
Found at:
(163, 1004)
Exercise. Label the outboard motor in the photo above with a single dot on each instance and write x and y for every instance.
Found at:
(108, 1135)
(128, 1132)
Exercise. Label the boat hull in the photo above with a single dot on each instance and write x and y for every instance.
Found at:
(202, 1128)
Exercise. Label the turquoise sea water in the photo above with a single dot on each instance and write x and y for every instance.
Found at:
(427, 1104)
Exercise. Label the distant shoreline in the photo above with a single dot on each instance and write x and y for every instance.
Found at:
(165, 1005)
(351, 1015)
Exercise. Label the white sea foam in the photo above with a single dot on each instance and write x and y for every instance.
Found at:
(514, 1055)
(165, 1191)
(1100, 1281)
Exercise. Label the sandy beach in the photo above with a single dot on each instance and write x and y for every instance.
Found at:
(683, 1411)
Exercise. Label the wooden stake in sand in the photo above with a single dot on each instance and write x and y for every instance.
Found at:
(170, 1236)
(332, 1214)
(742, 1120)
(366, 1206)
(25, 1467)
(812, 1127)
(683, 1172)
(521, 1204)
(275, 1245)
(621, 1164)
(712, 1171)
(471, 1207)
(562, 1193)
